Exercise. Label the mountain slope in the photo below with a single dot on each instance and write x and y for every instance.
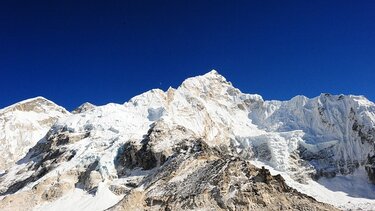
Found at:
(139, 152)
(22, 125)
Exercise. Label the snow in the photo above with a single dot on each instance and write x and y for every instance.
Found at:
(345, 192)
(155, 114)
(23, 124)
(209, 107)
(81, 200)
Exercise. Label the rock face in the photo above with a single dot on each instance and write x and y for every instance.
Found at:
(197, 177)
(200, 146)
(22, 125)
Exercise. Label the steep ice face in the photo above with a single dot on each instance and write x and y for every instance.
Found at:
(22, 125)
(338, 130)
(324, 118)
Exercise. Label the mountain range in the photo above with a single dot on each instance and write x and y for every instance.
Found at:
(202, 146)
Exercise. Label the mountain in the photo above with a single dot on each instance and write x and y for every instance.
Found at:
(84, 107)
(205, 145)
(22, 125)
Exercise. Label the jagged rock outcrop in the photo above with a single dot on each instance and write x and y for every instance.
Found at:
(370, 168)
(199, 177)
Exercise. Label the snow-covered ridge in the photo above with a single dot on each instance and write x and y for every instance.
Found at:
(36, 104)
(319, 138)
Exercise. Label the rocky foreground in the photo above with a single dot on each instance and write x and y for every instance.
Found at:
(196, 176)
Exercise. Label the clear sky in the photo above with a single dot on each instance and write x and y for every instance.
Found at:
(108, 51)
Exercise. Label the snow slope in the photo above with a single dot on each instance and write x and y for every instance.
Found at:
(22, 125)
(322, 146)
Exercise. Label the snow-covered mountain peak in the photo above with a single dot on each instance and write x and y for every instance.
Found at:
(213, 74)
(148, 99)
(83, 108)
(37, 104)
(209, 83)
(23, 124)
(143, 149)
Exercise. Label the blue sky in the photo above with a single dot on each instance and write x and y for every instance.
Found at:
(109, 51)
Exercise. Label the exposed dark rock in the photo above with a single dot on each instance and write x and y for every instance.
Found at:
(215, 180)
(262, 152)
(370, 168)
(46, 156)
(85, 179)
(132, 156)
(20, 184)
